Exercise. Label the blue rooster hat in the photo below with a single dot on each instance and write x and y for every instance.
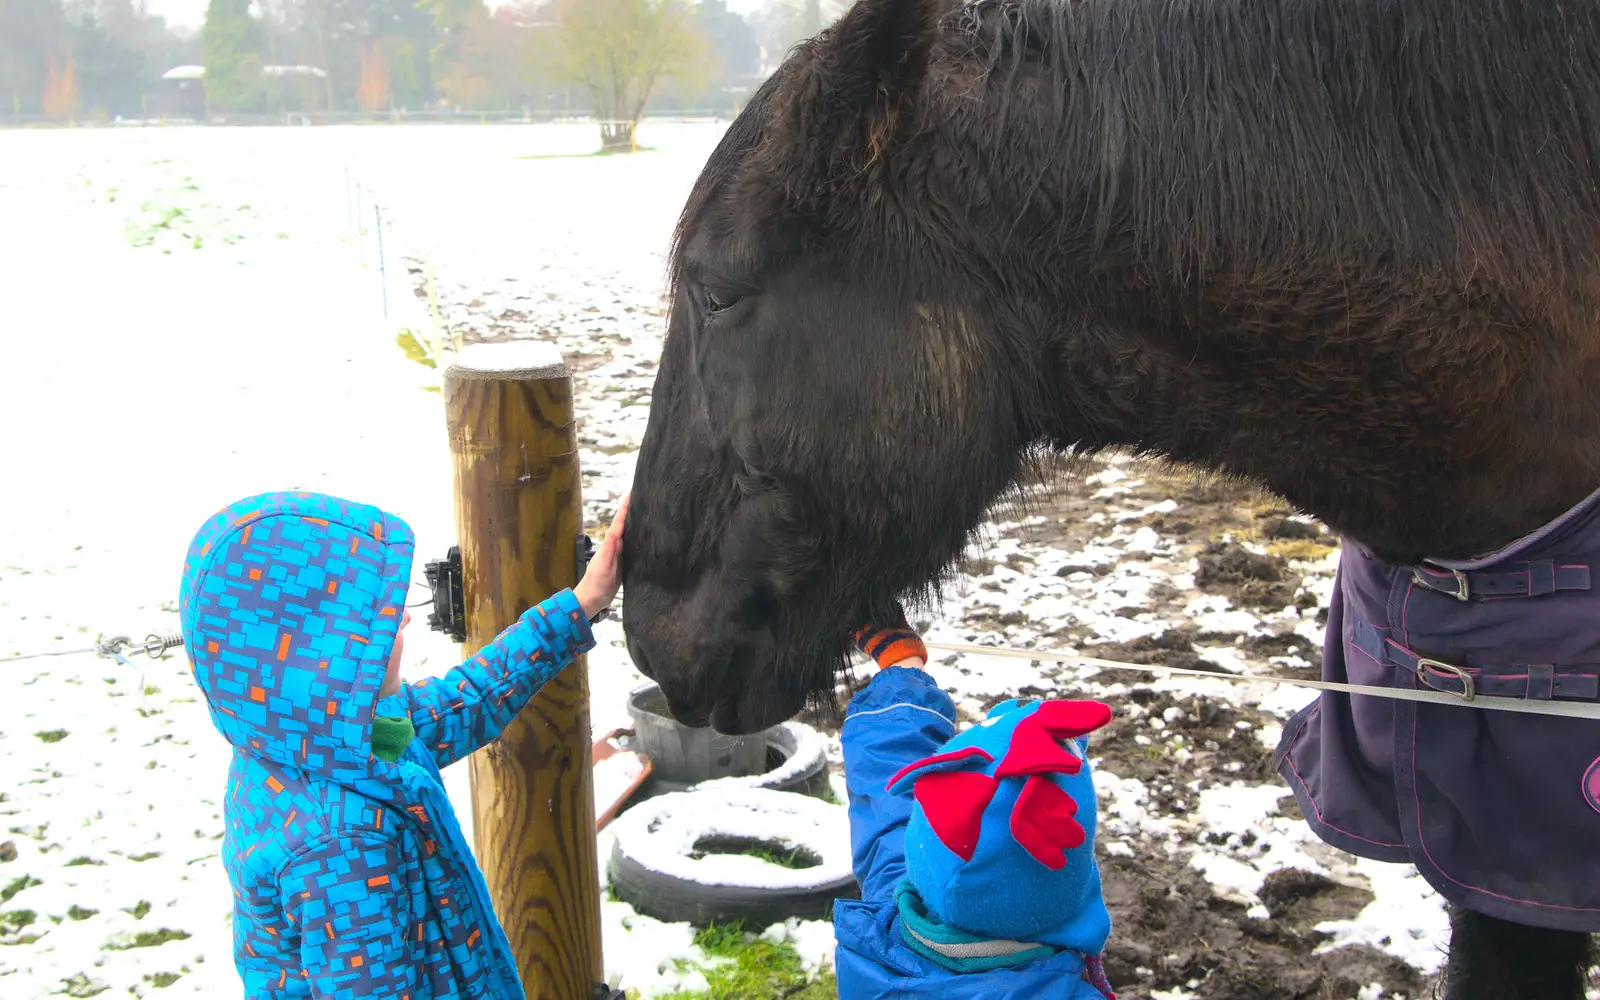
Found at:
(1001, 839)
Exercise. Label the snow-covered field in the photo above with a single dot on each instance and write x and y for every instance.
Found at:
(192, 316)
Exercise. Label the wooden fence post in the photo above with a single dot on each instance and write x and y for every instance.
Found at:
(518, 515)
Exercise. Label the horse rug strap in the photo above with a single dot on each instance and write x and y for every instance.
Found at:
(1463, 696)
(1499, 810)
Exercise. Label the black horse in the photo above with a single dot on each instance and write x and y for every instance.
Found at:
(1346, 249)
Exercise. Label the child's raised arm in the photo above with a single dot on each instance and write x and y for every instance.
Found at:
(899, 718)
(471, 705)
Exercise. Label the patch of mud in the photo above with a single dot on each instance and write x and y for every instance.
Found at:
(1249, 578)
(1201, 741)
(1172, 648)
(1174, 933)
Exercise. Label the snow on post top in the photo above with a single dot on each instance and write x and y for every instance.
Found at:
(521, 359)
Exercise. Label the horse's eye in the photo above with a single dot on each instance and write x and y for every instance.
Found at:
(718, 301)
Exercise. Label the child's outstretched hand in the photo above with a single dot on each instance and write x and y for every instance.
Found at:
(603, 578)
(892, 643)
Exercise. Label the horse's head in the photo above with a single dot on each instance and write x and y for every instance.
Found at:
(837, 402)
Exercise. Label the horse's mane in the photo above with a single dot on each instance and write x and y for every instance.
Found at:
(1222, 134)
(1262, 139)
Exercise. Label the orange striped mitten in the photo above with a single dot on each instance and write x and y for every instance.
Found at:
(891, 644)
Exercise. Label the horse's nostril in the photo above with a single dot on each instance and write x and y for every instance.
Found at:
(636, 654)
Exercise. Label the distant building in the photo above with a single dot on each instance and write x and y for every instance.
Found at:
(182, 93)
(289, 88)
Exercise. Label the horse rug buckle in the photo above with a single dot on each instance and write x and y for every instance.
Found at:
(1428, 669)
(1462, 592)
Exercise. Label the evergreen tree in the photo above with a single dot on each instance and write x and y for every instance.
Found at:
(231, 40)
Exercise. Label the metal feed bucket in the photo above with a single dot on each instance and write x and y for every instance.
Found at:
(682, 754)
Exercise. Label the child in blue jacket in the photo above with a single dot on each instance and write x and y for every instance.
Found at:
(975, 853)
(351, 878)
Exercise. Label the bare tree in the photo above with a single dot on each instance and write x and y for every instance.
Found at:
(618, 51)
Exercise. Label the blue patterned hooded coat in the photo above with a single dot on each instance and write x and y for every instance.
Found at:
(350, 875)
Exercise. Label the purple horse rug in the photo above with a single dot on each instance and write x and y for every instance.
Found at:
(1499, 811)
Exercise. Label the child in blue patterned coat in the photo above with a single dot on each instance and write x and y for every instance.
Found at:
(351, 878)
(975, 851)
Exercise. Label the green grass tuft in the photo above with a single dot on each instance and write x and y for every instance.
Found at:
(81, 985)
(744, 969)
(415, 349)
(12, 921)
(797, 858)
(145, 939)
(15, 886)
(1303, 548)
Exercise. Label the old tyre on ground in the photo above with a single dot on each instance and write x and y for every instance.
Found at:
(796, 761)
(790, 757)
(724, 853)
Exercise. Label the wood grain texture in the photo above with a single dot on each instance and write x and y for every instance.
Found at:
(518, 517)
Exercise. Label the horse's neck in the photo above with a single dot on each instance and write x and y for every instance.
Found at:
(1416, 435)
(1404, 348)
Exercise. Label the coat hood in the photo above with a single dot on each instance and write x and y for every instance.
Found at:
(290, 604)
(1000, 842)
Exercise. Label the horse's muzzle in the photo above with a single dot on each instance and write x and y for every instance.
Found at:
(685, 695)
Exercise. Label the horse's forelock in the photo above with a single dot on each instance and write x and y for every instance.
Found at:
(723, 166)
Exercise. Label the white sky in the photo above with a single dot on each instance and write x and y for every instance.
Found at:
(189, 13)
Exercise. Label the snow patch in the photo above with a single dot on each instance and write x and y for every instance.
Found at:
(812, 939)
(1404, 918)
(808, 744)
(1234, 879)
(614, 776)
(644, 954)
(661, 833)
(529, 358)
